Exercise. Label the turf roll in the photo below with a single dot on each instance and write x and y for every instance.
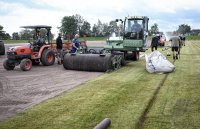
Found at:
(88, 62)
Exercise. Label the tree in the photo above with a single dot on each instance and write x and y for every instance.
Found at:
(154, 29)
(68, 25)
(106, 30)
(26, 34)
(3, 35)
(184, 29)
(79, 21)
(99, 28)
(94, 30)
(85, 29)
(15, 36)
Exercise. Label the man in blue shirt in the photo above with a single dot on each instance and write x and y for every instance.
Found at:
(75, 43)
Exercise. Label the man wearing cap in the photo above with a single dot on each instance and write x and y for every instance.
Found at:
(175, 40)
(75, 43)
(59, 48)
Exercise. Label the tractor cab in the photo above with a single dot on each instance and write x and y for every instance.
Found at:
(135, 32)
(134, 28)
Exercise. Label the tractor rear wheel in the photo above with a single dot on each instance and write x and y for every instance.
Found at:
(2, 48)
(136, 56)
(7, 65)
(48, 57)
(26, 64)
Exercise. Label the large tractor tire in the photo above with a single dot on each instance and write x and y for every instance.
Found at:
(7, 65)
(88, 62)
(136, 56)
(2, 48)
(26, 64)
(48, 57)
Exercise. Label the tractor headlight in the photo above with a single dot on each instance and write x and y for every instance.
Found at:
(11, 49)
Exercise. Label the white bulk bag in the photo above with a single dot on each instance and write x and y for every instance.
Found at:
(157, 63)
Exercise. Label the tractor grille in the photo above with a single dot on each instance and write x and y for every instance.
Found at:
(133, 43)
(13, 55)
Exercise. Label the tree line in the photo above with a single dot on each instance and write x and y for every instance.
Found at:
(71, 25)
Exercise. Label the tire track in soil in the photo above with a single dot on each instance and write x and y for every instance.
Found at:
(142, 118)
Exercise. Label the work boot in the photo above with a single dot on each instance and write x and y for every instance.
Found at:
(59, 62)
(176, 56)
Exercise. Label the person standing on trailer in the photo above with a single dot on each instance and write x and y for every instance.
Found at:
(75, 43)
(175, 42)
(59, 48)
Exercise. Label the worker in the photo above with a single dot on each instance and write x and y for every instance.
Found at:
(41, 41)
(155, 41)
(175, 42)
(183, 40)
(59, 48)
(136, 28)
(75, 43)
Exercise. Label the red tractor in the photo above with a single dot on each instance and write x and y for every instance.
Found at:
(32, 54)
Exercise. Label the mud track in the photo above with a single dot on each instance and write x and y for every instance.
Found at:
(20, 90)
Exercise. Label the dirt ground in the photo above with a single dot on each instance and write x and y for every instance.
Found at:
(20, 90)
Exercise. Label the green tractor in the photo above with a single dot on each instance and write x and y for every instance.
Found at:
(134, 37)
(116, 51)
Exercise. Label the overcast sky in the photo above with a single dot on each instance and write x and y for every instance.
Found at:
(168, 14)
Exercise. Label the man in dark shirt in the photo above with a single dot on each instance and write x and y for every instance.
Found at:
(154, 42)
(59, 48)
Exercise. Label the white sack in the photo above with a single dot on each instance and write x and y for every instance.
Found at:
(157, 63)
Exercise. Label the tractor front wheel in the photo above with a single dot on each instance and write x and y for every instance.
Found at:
(7, 65)
(26, 64)
(48, 57)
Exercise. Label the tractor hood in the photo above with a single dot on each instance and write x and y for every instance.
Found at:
(20, 49)
(17, 48)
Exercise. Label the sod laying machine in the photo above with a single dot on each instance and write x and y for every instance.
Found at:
(117, 50)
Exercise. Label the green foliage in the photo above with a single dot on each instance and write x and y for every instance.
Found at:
(3, 34)
(193, 37)
(69, 25)
(154, 29)
(184, 29)
(85, 29)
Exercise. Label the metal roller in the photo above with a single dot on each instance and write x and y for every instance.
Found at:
(88, 62)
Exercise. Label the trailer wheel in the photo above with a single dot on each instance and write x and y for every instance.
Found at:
(136, 56)
(7, 65)
(26, 64)
(2, 48)
(48, 57)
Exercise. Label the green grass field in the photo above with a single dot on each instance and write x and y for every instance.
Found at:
(124, 96)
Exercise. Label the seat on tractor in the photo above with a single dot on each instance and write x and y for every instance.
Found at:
(38, 44)
(133, 35)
